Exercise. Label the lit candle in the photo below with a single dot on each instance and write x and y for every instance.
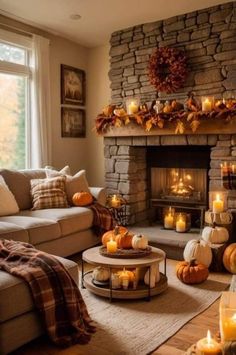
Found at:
(218, 205)
(132, 108)
(228, 328)
(115, 202)
(124, 276)
(169, 220)
(111, 246)
(180, 224)
(208, 346)
(206, 104)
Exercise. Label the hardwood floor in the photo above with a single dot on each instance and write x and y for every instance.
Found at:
(176, 345)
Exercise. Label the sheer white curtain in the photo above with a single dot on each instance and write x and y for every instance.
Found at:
(40, 122)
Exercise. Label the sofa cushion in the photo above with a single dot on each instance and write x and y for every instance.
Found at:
(71, 220)
(19, 184)
(39, 229)
(15, 297)
(48, 193)
(76, 183)
(8, 204)
(13, 231)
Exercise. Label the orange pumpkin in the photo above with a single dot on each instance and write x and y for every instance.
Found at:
(112, 234)
(124, 241)
(191, 272)
(82, 198)
(229, 258)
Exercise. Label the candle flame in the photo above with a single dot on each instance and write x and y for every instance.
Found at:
(217, 197)
(208, 336)
(207, 100)
(234, 317)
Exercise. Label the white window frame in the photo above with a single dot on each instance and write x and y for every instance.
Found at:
(25, 70)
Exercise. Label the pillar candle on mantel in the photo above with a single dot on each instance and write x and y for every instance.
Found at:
(132, 106)
(217, 205)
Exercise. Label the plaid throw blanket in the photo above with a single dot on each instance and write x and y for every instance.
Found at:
(103, 219)
(55, 293)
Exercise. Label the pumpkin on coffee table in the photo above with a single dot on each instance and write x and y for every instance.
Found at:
(229, 258)
(191, 272)
(113, 234)
(124, 241)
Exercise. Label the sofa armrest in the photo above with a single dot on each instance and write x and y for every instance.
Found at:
(100, 194)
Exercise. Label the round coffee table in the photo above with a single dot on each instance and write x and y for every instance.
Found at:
(92, 256)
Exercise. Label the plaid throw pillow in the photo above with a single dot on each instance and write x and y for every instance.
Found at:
(48, 193)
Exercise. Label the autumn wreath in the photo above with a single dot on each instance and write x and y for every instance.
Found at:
(167, 69)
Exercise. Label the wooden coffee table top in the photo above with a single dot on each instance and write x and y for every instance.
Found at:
(92, 256)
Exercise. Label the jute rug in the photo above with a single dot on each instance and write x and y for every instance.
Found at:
(137, 327)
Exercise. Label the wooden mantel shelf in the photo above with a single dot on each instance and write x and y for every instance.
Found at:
(207, 126)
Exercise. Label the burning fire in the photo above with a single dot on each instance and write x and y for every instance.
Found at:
(181, 185)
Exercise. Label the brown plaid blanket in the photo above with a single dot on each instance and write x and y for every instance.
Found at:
(103, 219)
(55, 293)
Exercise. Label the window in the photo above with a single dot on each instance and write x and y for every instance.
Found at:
(15, 75)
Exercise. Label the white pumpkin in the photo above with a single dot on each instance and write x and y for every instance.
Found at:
(101, 274)
(199, 250)
(139, 241)
(155, 275)
(215, 235)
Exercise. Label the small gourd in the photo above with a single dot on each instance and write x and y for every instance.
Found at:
(191, 272)
(82, 199)
(215, 235)
(155, 275)
(124, 241)
(229, 258)
(139, 241)
(101, 273)
(112, 234)
(199, 250)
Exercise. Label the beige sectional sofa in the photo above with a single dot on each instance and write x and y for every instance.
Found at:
(59, 231)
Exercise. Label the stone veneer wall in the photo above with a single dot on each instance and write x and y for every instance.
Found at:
(208, 38)
(126, 171)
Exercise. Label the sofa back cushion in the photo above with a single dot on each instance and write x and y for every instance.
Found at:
(18, 182)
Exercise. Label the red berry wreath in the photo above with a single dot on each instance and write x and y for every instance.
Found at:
(167, 69)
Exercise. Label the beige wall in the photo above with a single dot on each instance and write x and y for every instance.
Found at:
(79, 153)
(98, 89)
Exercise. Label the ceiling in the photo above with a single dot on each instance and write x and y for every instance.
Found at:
(99, 18)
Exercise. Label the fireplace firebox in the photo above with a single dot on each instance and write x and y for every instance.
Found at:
(178, 177)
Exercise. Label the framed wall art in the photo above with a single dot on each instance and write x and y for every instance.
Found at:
(73, 122)
(72, 85)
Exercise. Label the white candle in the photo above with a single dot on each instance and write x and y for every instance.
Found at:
(115, 202)
(218, 205)
(111, 246)
(207, 105)
(132, 108)
(180, 224)
(208, 346)
(168, 221)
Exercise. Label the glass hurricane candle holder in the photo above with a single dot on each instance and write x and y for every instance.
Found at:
(132, 106)
(207, 103)
(182, 222)
(228, 316)
(169, 218)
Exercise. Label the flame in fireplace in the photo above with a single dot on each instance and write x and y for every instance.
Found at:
(181, 184)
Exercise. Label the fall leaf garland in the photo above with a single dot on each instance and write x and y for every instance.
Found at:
(167, 69)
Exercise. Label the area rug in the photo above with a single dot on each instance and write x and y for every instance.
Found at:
(138, 327)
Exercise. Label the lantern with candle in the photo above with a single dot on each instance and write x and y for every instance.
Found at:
(208, 346)
(228, 316)
(207, 103)
(169, 215)
(182, 222)
(132, 106)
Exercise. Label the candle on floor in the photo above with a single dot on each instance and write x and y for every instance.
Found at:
(111, 246)
(169, 220)
(180, 224)
(217, 205)
(208, 346)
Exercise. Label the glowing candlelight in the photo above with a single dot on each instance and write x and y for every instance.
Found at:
(169, 219)
(208, 346)
(111, 246)
(180, 224)
(218, 205)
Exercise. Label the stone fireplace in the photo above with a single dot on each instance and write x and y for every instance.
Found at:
(127, 161)
(207, 37)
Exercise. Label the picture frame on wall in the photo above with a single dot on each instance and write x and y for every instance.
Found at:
(72, 85)
(73, 122)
